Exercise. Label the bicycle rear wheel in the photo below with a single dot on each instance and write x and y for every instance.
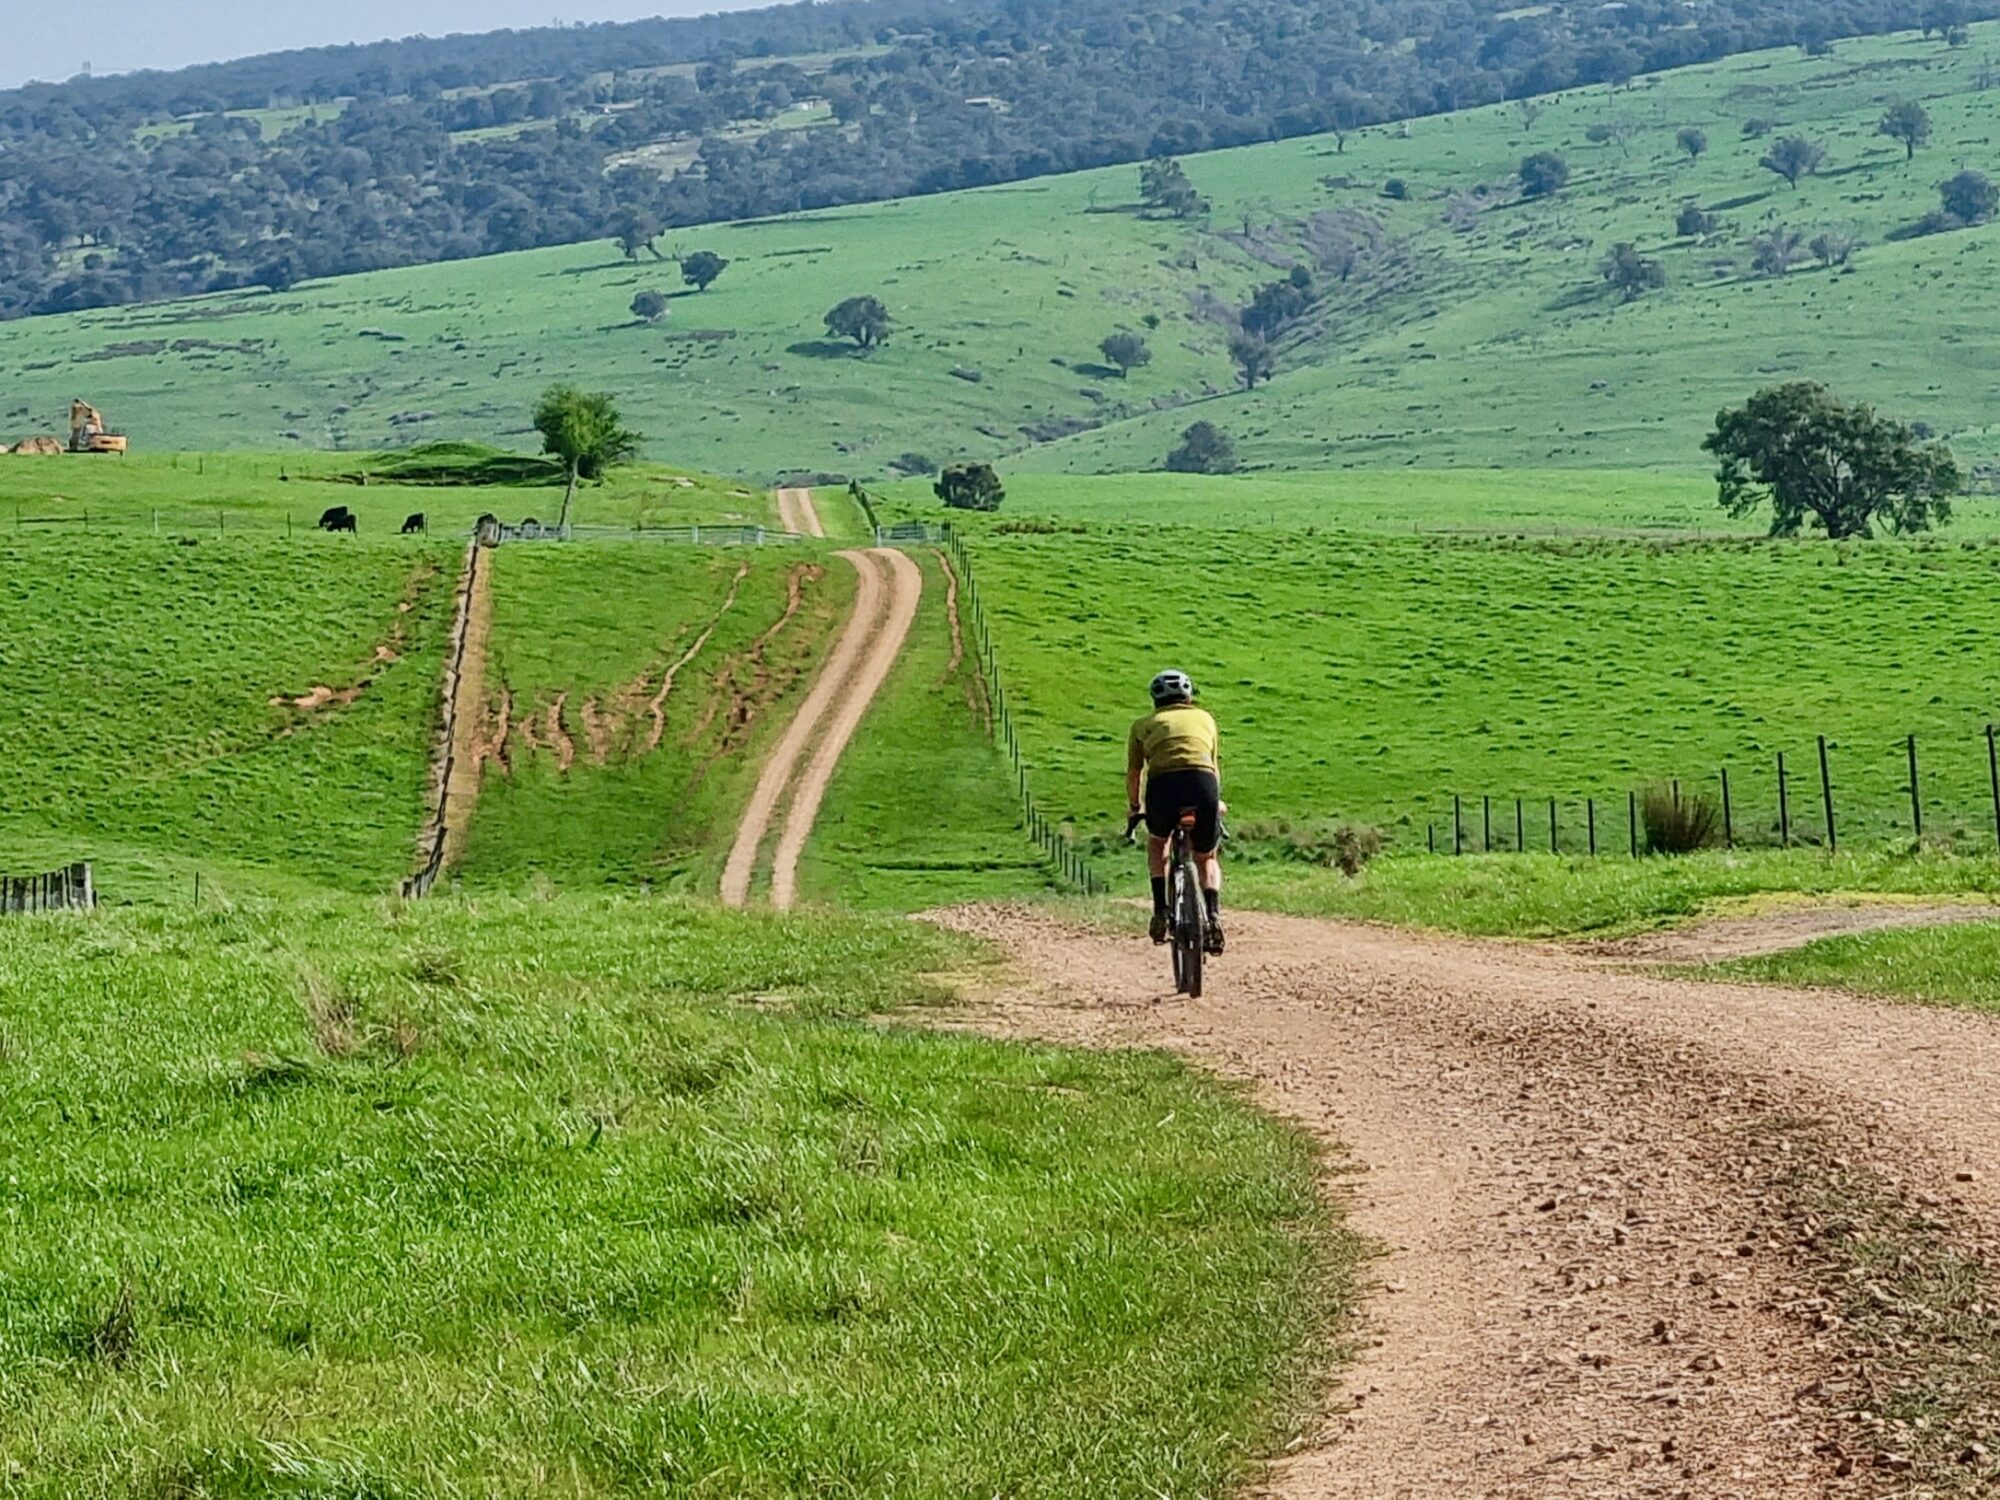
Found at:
(1190, 931)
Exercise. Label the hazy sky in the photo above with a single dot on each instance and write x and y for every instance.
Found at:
(121, 35)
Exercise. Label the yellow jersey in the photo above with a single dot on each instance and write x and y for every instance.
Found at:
(1179, 737)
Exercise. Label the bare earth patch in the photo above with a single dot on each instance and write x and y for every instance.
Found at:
(1630, 1226)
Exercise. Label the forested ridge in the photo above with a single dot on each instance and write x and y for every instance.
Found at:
(156, 185)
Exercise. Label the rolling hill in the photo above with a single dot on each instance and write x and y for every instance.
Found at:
(1473, 328)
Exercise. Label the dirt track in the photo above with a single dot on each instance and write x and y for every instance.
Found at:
(889, 587)
(1605, 1272)
(796, 512)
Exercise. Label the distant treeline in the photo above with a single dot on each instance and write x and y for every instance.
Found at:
(99, 206)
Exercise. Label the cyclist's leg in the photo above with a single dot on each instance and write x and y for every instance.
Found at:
(1208, 852)
(1159, 823)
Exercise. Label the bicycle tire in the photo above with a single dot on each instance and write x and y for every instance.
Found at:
(1190, 935)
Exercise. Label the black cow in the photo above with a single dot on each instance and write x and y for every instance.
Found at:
(415, 524)
(339, 518)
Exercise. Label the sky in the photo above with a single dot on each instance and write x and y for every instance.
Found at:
(127, 34)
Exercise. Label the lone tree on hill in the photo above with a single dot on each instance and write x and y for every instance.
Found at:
(970, 487)
(1793, 157)
(1691, 140)
(1906, 122)
(1834, 246)
(1127, 351)
(863, 319)
(1776, 250)
(634, 230)
(1542, 174)
(1970, 197)
(1822, 461)
(1253, 358)
(649, 307)
(700, 269)
(1630, 272)
(1204, 448)
(582, 428)
(1164, 188)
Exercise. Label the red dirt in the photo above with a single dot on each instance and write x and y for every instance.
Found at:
(564, 746)
(975, 681)
(747, 702)
(827, 690)
(796, 512)
(656, 705)
(383, 654)
(906, 590)
(1599, 1277)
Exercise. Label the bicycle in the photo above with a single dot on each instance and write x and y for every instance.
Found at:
(1187, 913)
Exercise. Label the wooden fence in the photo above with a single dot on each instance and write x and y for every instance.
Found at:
(67, 889)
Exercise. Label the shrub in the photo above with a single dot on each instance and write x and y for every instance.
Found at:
(1675, 824)
(1395, 187)
(913, 464)
(1204, 449)
(649, 307)
(1354, 846)
(1542, 174)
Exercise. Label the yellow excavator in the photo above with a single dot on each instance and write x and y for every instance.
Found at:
(87, 432)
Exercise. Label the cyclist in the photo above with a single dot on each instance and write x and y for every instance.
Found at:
(1172, 765)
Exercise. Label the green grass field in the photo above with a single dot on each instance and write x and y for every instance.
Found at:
(1372, 677)
(599, 627)
(613, 1197)
(217, 494)
(1474, 333)
(922, 812)
(1955, 965)
(151, 724)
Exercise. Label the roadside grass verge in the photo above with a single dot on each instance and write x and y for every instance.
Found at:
(596, 629)
(922, 811)
(1955, 965)
(153, 697)
(615, 1196)
(1542, 895)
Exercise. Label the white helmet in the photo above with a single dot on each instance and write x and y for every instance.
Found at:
(1172, 687)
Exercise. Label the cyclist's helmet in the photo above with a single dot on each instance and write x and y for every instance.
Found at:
(1172, 687)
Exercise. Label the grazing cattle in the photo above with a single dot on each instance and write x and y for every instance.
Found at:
(339, 518)
(415, 524)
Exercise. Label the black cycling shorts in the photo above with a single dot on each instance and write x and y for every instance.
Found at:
(1170, 793)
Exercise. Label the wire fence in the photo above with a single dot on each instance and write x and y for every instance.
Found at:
(1789, 805)
(1056, 844)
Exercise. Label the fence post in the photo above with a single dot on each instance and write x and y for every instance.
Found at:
(1590, 817)
(1486, 825)
(1632, 821)
(1784, 807)
(1916, 800)
(1826, 795)
(1728, 825)
(1555, 846)
(1457, 825)
(1520, 829)
(1993, 771)
(1431, 837)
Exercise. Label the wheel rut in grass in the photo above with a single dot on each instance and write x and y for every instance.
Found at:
(796, 512)
(795, 777)
(1641, 1237)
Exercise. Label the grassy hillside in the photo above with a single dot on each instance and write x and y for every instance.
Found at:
(1371, 677)
(1472, 331)
(610, 1198)
(585, 784)
(257, 708)
(207, 494)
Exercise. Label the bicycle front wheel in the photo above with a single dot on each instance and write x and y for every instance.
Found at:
(1190, 933)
